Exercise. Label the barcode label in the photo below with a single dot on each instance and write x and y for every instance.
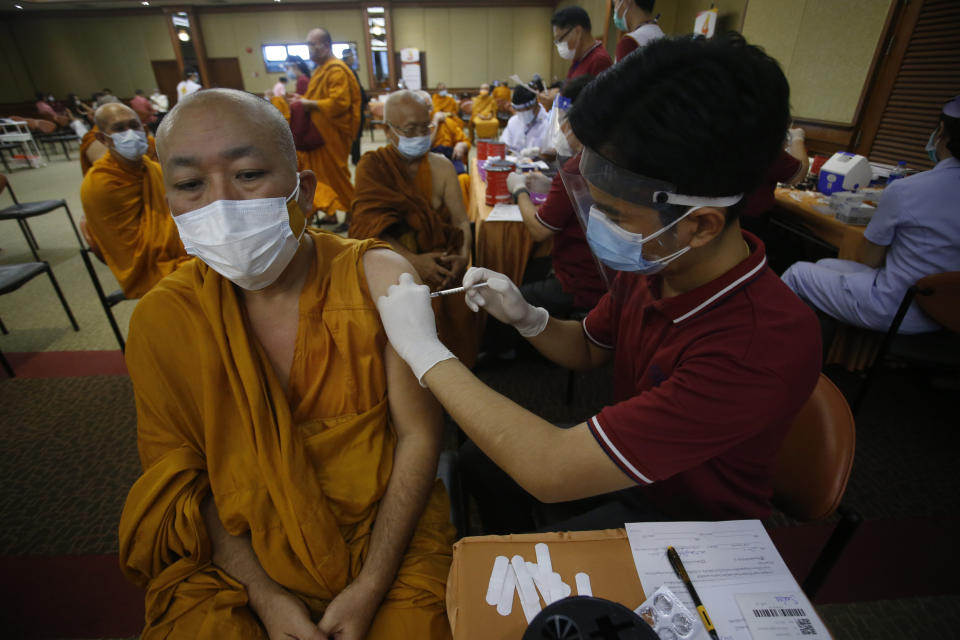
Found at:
(779, 613)
(806, 627)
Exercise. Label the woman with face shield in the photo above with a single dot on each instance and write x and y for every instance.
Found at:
(713, 356)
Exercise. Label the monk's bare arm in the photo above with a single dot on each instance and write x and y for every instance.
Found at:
(453, 198)
(418, 421)
(95, 151)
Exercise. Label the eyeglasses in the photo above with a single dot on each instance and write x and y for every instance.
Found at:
(415, 130)
(563, 37)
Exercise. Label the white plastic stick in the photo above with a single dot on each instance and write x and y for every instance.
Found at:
(525, 587)
(505, 605)
(500, 567)
(583, 584)
(543, 560)
(538, 579)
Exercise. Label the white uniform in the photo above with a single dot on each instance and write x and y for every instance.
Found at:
(186, 87)
(519, 136)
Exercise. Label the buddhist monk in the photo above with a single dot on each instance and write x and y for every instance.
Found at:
(443, 102)
(501, 93)
(289, 456)
(411, 199)
(92, 150)
(125, 205)
(484, 114)
(333, 102)
(450, 141)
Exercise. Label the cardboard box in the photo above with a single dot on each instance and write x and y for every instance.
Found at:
(604, 555)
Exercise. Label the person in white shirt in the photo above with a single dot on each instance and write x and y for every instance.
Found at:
(635, 18)
(280, 89)
(160, 102)
(190, 84)
(524, 130)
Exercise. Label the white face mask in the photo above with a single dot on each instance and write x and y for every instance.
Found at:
(565, 51)
(442, 94)
(249, 242)
(130, 144)
(526, 117)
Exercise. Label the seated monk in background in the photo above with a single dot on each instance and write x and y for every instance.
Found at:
(289, 455)
(446, 103)
(410, 198)
(125, 206)
(450, 141)
(484, 114)
(92, 149)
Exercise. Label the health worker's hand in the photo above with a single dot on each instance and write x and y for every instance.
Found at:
(515, 182)
(407, 317)
(503, 300)
(538, 183)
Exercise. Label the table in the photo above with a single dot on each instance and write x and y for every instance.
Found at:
(505, 247)
(604, 555)
(854, 348)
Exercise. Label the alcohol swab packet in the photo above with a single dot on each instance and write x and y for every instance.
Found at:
(500, 567)
(505, 604)
(529, 599)
(583, 585)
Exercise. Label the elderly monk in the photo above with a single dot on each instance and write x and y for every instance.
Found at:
(501, 93)
(411, 198)
(92, 150)
(445, 103)
(289, 455)
(333, 102)
(125, 206)
(484, 114)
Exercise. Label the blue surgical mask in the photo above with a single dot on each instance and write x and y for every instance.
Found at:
(620, 22)
(442, 94)
(931, 148)
(131, 144)
(411, 148)
(622, 250)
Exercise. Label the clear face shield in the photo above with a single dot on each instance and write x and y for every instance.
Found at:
(605, 196)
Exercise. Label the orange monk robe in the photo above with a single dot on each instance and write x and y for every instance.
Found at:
(337, 118)
(281, 104)
(449, 105)
(300, 472)
(387, 201)
(502, 95)
(128, 216)
(91, 136)
(485, 116)
(448, 134)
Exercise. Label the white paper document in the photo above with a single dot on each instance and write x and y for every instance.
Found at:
(724, 560)
(505, 213)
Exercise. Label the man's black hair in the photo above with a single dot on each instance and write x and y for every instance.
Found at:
(569, 17)
(951, 127)
(40, 96)
(709, 116)
(646, 5)
(138, 92)
(301, 65)
(522, 95)
(572, 87)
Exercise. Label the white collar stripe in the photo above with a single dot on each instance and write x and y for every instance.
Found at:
(723, 292)
(609, 446)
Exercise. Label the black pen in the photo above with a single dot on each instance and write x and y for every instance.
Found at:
(682, 574)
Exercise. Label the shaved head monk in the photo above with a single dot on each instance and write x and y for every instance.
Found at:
(484, 114)
(289, 455)
(333, 102)
(447, 104)
(127, 218)
(411, 199)
(92, 149)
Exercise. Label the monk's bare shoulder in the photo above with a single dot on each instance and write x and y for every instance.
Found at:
(383, 268)
(441, 166)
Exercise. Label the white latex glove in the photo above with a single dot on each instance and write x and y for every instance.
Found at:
(516, 181)
(411, 327)
(538, 183)
(796, 134)
(503, 300)
(530, 152)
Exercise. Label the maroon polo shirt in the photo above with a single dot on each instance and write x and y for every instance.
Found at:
(625, 47)
(593, 62)
(573, 262)
(705, 386)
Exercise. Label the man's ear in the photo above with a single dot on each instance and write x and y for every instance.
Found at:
(703, 225)
(104, 139)
(308, 186)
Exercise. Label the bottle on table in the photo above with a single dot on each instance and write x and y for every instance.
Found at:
(899, 172)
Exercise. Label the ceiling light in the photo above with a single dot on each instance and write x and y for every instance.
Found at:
(18, 6)
(184, 36)
(145, 3)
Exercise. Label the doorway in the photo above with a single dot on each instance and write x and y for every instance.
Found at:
(225, 73)
(167, 73)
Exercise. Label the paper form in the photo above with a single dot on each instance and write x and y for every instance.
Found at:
(723, 559)
(505, 213)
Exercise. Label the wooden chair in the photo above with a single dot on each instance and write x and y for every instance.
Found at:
(939, 297)
(14, 276)
(376, 116)
(108, 302)
(21, 211)
(812, 471)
